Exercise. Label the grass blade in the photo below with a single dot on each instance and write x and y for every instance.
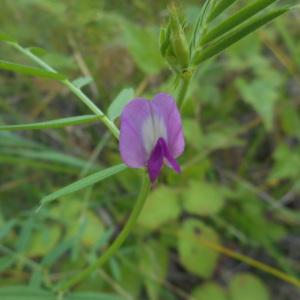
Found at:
(234, 37)
(233, 21)
(93, 296)
(24, 292)
(27, 70)
(219, 8)
(59, 123)
(83, 183)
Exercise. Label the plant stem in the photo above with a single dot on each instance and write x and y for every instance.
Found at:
(108, 123)
(184, 85)
(117, 242)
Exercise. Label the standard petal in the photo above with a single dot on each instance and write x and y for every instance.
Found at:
(131, 144)
(166, 105)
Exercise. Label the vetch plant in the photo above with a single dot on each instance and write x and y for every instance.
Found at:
(150, 132)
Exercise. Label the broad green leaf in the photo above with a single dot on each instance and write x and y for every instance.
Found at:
(221, 6)
(262, 94)
(131, 280)
(202, 198)
(192, 133)
(222, 138)
(209, 291)
(235, 20)
(83, 183)
(89, 229)
(59, 123)
(43, 240)
(93, 296)
(82, 81)
(287, 163)
(194, 255)
(27, 70)
(25, 293)
(161, 207)
(116, 107)
(142, 43)
(231, 38)
(290, 119)
(246, 286)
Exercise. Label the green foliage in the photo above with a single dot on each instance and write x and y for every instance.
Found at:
(262, 94)
(154, 262)
(82, 81)
(23, 292)
(231, 38)
(194, 253)
(53, 123)
(27, 70)
(116, 107)
(143, 46)
(235, 20)
(247, 286)
(202, 198)
(208, 291)
(162, 206)
(219, 8)
(83, 183)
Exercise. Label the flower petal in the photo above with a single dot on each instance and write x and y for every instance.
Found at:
(156, 160)
(171, 161)
(166, 105)
(131, 144)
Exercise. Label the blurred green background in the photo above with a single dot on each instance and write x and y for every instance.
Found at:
(239, 192)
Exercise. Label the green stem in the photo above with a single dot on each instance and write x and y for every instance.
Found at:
(117, 242)
(108, 123)
(184, 85)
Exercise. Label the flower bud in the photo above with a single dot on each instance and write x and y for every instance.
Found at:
(178, 40)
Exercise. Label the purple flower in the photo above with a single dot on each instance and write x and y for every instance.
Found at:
(151, 134)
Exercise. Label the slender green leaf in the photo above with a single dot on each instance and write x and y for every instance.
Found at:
(93, 296)
(219, 8)
(6, 262)
(57, 252)
(199, 25)
(238, 18)
(83, 183)
(82, 81)
(7, 228)
(25, 234)
(119, 102)
(78, 120)
(24, 293)
(47, 155)
(234, 37)
(27, 70)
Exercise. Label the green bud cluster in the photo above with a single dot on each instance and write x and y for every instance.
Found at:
(173, 44)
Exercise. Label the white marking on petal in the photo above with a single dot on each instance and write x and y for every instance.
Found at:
(153, 128)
